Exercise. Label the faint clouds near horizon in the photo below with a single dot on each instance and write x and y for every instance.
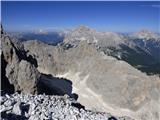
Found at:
(103, 16)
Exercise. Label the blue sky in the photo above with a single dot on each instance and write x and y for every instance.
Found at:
(103, 16)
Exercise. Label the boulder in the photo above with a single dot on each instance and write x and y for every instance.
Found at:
(28, 77)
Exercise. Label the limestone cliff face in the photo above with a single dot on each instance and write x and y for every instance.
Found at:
(18, 71)
(101, 82)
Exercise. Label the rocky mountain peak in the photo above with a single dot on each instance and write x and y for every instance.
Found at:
(145, 34)
(82, 28)
(84, 33)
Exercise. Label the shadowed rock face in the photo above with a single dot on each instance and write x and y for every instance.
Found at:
(17, 69)
(5, 84)
(100, 80)
(53, 85)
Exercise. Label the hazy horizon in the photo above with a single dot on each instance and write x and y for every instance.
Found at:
(124, 17)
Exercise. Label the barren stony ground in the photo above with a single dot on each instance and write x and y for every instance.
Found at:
(45, 107)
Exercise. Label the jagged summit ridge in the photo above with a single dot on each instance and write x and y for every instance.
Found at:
(84, 33)
(83, 28)
(146, 35)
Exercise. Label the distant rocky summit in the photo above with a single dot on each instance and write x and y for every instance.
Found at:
(84, 33)
(145, 34)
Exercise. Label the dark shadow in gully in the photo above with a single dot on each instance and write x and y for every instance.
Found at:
(55, 86)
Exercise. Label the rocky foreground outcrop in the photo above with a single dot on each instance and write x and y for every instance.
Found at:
(44, 107)
(20, 74)
(19, 71)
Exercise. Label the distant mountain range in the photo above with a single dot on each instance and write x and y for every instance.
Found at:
(47, 37)
(141, 49)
